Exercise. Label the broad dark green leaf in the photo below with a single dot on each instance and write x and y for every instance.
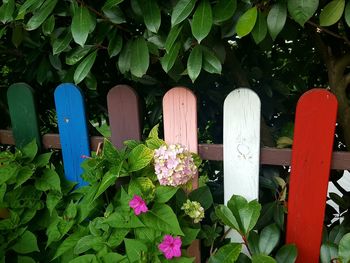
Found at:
(344, 248)
(347, 13)
(82, 25)
(88, 242)
(260, 29)
(134, 249)
(226, 216)
(276, 19)
(114, 14)
(25, 259)
(26, 243)
(262, 259)
(181, 11)
(75, 55)
(108, 179)
(190, 235)
(49, 180)
(29, 6)
(332, 12)
(203, 196)
(169, 59)
(162, 218)
(226, 254)
(269, 238)
(60, 44)
(41, 14)
(139, 57)
(329, 251)
(246, 22)
(6, 11)
(69, 243)
(194, 63)
(84, 67)
(52, 199)
(48, 26)
(337, 233)
(202, 20)
(151, 14)
(111, 3)
(17, 35)
(115, 45)
(224, 10)
(211, 63)
(30, 150)
(88, 258)
(173, 34)
(302, 10)
(124, 59)
(164, 193)
(139, 158)
(23, 175)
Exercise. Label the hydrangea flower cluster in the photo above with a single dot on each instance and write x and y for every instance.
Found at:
(194, 210)
(170, 246)
(174, 165)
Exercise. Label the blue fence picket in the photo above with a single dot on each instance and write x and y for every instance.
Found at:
(73, 130)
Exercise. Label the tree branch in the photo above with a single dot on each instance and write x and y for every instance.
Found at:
(342, 62)
(329, 32)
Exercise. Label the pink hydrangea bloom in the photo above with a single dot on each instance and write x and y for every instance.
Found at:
(174, 165)
(170, 246)
(138, 204)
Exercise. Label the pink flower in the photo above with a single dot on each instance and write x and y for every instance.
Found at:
(138, 204)
(171, 246)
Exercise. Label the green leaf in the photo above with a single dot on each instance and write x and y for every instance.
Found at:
(84, 67)
(114, 14)
(332, 12)
(276, 19)
(329, 251)
(226, 216)
(211, 63)
(139, 57)
(224, 10)
(115, 45)
(23, 175)
(202, 20)
(88, 258)
(302, 10)
(161, 217)
(69, 243)
(82, 25)
(6, 11)
(269, 238)
(151, 14)
(139, 158)
(112, 257)
(88, 242)
(347, 13)
(8, 172)
(172, 36)
(203, 196)
(194, 63)
(337, 233)
(30, 150)
(181, 11)
(246, 214)
(125, 58)
(262, 259)
(226, 254)
(41, 14)
(134, 249)
(52, 199)
(77, 54)
(3, 188)
(190, 235)
(169, 59)
(17, 35)
(48, 26)
(49, 180)
(61, 44)
(111, 3)
(344, 248)
(260, 29)
(164, 193)
(28, 6)
(27, 243)
(42, 160)
(246, 22)
(108, 179)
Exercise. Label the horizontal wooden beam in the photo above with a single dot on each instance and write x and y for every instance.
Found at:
(213, 152)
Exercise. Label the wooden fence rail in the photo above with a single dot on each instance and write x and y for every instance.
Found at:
(310, 160)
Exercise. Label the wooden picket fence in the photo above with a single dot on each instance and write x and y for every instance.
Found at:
(310, 160)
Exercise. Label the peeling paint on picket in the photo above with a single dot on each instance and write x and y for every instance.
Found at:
(73, 130)
(241, 147)
(180, 126)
